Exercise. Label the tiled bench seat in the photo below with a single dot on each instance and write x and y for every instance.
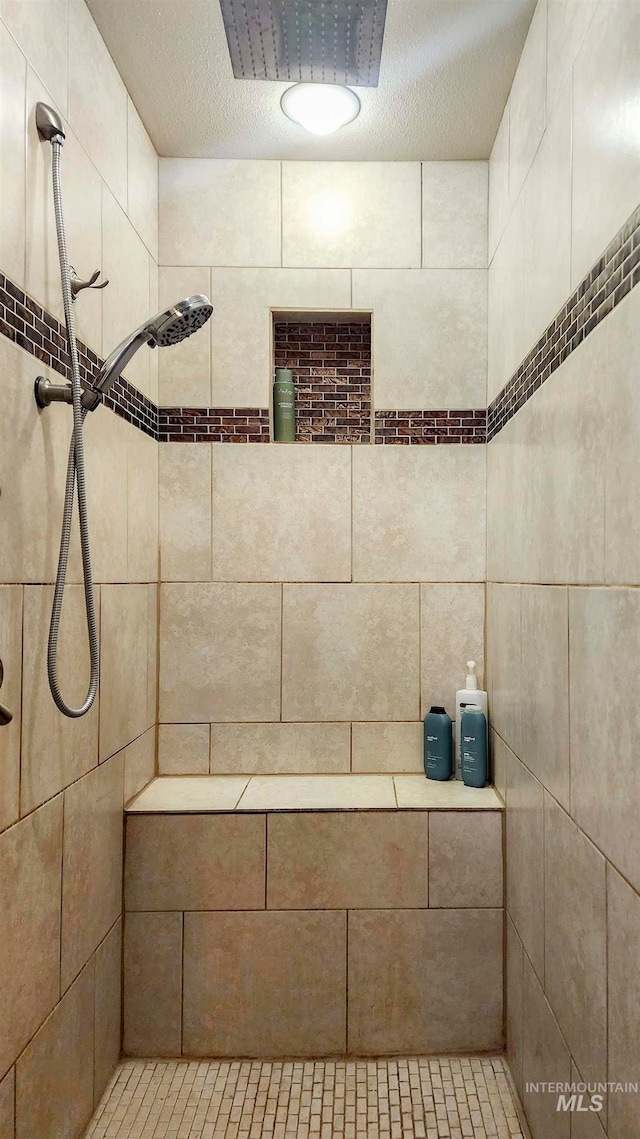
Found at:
(312, 916)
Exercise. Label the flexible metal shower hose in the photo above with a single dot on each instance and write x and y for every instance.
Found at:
(75, 475)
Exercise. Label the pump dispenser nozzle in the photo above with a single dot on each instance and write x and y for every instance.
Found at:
(472, 679)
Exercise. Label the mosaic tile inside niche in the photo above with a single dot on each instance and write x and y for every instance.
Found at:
(331, 365)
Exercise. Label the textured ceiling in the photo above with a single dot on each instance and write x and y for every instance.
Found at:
(447, 66)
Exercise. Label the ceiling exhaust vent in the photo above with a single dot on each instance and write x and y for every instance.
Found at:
(306, 41)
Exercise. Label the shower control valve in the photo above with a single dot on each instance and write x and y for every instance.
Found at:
(77, 285)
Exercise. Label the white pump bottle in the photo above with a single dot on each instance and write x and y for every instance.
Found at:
(471, 694)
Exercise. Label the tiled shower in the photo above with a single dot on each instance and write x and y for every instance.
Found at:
(232, 873)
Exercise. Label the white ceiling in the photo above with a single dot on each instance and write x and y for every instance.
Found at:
(447, 67)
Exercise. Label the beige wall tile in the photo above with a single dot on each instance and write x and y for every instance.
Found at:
(429, 335)
(185, 371)
(567, 22)
(499, 185)
(92, 864)
(499, 762)
(575, 924)
(622, 412)
(606, 121)
(125, 303)
(623, 923)
(528, 101)
(342, 860)
(183, 749)
(525, 860)
(101, 121)
(604, 626)
(7, 1100)
(281, 513)
(465, 859)
(11, 697)
(313, 792)
(514, 1011)
(547, 224)
(505, 303)
(242, 199)
(348, 214)
(424, 981)
(586, 1125)
(142, 180)
(241, 324)
(265, 749)
(152, 995)
(248, 975)
(41, 30)
(387, 747)
(54, 1075)
(185, 511)
(108, 1009)
(139, 763)
(454, 215)
(402, 496)
(30, 875)
(507, 470)
(142, 501)
(154, 306)
(220, 648)
(13, 80)
(106, 438)
(124, 695)
(452, 632)
(350, 652)
(152, 654)
(504, 667)
(55, 750)
(545, 687)
(195, 862)
(546, 1058)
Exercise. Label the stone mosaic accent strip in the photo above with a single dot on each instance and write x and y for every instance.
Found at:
(213, 425)
(331, 364)
(429, 427)
(614, 274)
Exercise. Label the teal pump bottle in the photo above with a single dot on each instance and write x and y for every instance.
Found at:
(473, 731)
(438, 744)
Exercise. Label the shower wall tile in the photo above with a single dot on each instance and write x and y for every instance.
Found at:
(185, 512)
(41, 30)
(350, 652)
(514, 994)
(567, 23)
(281, 513)
(504, 646)
(107, 444)
(505, 300)
(183, 749)
(13, 78)
(545, 687)
(11, 697)
(55, 750)
(351, 214)
(184, 372)
(152, 653)
(465, 859)
(92, 860)
(455, 198)
(108, 1009)
(142, 504)
(142, 181)
(30, 881)
(429, 335)
(498, 186)
(139, 763)
(452, 632)
(622, 412)
(527, 102)
(125, 302)
(7, 1101)
(402, 497)
(525, 859)
(387, 747)
(154, 307)
(546, 1059)
(242, 199)
(220, 647)
(623, 925)
(101, 120)
(266, 749)
(241, 324)
(152, 1013)
(124, 713)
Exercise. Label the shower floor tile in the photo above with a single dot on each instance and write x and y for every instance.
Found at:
(425, 1098)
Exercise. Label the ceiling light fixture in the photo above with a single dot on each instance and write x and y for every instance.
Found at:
(320, 108)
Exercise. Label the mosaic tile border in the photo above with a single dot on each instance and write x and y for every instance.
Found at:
(431, 427)
(213, 425)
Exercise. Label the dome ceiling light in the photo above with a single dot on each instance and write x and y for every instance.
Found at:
(321, 108)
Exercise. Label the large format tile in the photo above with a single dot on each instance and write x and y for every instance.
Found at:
(142, 506)
(108, 1009)
(185, 511)
(454, 215)
(528, 102)
(30, 876)
(360, 860)
(525, 859)
(350, 652)
(499, 185)
(142, 181)
(622, 449)
(429, 335)
(41, 30)
(567, 22)
(92, 864)
(281, 513)
(125, 302)
(465, 859)
(514, 1011)
(351, 214)
(545, 1059)
(11, 697)
(387, 747)
(242, 201)
(452, 632)
(54, 1074)
(220, 648)
(125, 634)
(504, 669)
(623, 924)
(413, 516)
(184, 373)
(604, 626)
(241, 325)
(425, 981)
(195, 862)
(320, 792)
(545, 687)
(575, 914)
(107, 440)
(13, 78)
(264, 749)
(505, 305)
(183, 749)
(139, 763)
(174, 793)
(414, 791)
(264, 984)
(7, 1105)
(152, 996)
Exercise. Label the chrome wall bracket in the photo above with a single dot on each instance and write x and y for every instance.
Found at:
(47, 393)
(77, 284)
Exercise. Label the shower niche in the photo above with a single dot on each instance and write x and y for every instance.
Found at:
(329, 355)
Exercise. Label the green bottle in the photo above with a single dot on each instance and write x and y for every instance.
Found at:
(284, 407)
